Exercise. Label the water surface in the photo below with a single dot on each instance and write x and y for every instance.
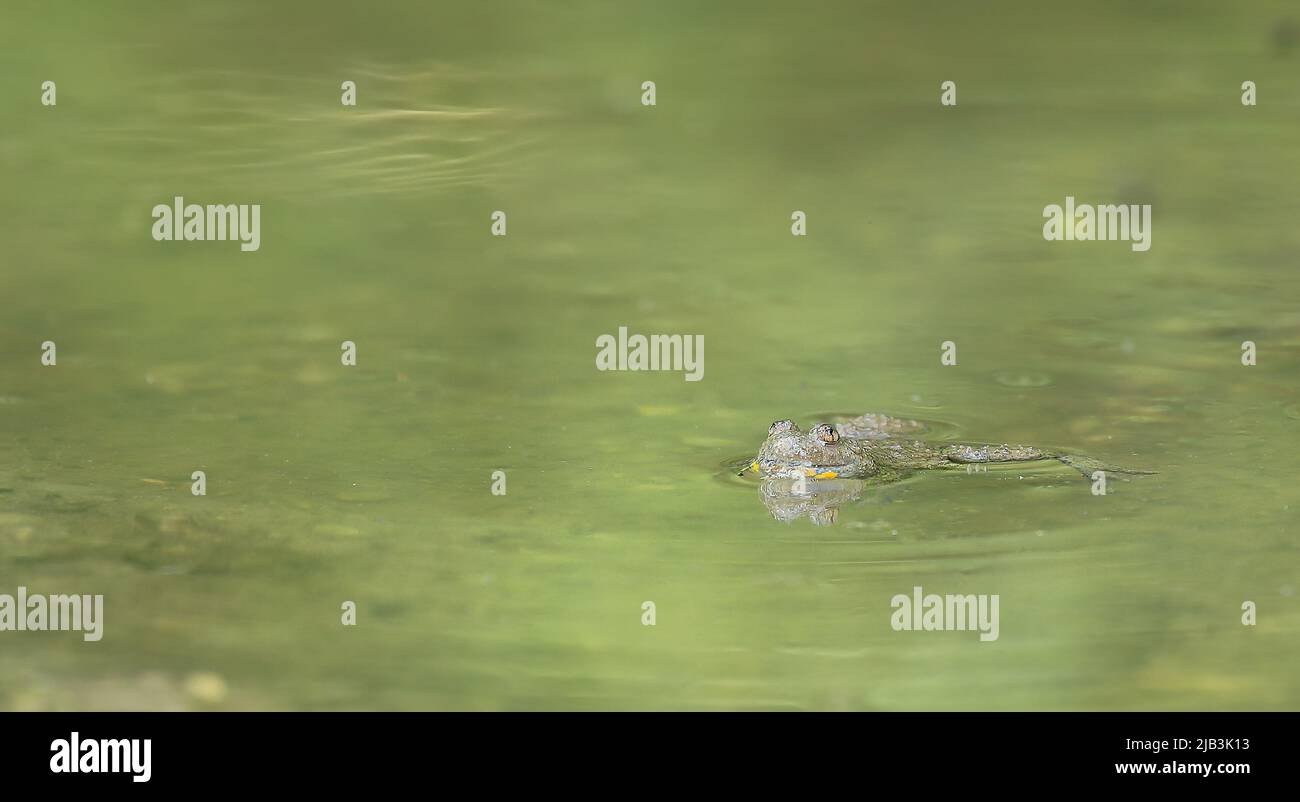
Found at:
(476, 354)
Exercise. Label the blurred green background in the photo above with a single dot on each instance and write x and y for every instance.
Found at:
(476, 353)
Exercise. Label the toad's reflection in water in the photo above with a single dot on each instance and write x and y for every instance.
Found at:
(818, 499)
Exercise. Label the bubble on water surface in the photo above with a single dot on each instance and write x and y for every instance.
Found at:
(360, 494)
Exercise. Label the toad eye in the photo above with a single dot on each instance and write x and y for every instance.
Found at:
(780, 426)
(825, 433)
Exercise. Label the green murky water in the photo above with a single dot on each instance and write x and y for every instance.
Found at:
(476, 353)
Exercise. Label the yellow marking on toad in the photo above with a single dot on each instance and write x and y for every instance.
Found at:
(826, 475)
